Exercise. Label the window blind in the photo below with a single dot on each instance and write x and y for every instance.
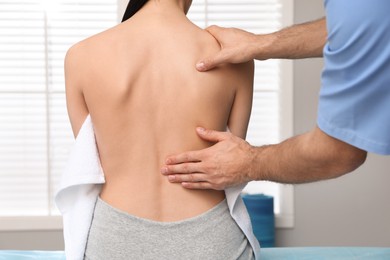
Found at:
(256, 16)
(35, 135)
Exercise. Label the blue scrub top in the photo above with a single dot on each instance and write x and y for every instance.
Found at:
(354, 104)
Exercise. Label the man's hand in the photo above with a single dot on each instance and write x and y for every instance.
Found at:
(227, 163)
(237, 46)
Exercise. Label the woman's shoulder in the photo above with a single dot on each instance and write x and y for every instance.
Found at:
(85, 52)
(103, 38)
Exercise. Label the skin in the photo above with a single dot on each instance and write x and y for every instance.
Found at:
(144, 110)
(309, 157)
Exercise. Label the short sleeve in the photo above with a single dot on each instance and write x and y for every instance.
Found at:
(354, 103)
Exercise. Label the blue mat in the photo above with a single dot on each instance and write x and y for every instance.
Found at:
(29, 255)
(286, 253)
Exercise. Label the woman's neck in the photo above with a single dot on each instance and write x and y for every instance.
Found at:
(167, 7)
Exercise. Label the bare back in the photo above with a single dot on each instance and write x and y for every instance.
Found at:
(139, 83)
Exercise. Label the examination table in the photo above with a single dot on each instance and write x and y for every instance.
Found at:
(276, 253)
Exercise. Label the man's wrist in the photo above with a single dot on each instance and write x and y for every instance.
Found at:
(262, 46)
(254, 164)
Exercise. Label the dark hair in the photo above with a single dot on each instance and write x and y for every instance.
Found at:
(133, 7)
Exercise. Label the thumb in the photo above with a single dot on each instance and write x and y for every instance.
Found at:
(211, 62)
(205, 65)
(211, 135)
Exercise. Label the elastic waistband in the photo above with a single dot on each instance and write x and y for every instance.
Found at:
(105, 210)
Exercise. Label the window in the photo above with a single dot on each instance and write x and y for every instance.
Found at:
(35, 135)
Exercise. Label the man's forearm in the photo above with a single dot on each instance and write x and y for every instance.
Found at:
(296, 42)
(309, 157)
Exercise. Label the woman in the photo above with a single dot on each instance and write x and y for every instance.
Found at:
(142, 111)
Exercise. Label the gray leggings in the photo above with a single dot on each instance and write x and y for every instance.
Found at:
(212, 235)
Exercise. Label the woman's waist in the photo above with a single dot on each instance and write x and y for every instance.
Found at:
(155, 198)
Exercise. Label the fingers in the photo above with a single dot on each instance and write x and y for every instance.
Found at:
(193, 181)
(194, 156)
(181, 168)
(212, 135)
(197, 185)
(194, 177)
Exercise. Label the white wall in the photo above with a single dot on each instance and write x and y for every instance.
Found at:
(349, 211)
(34, 240)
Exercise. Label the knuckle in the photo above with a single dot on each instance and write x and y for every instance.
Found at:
(185, 167)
